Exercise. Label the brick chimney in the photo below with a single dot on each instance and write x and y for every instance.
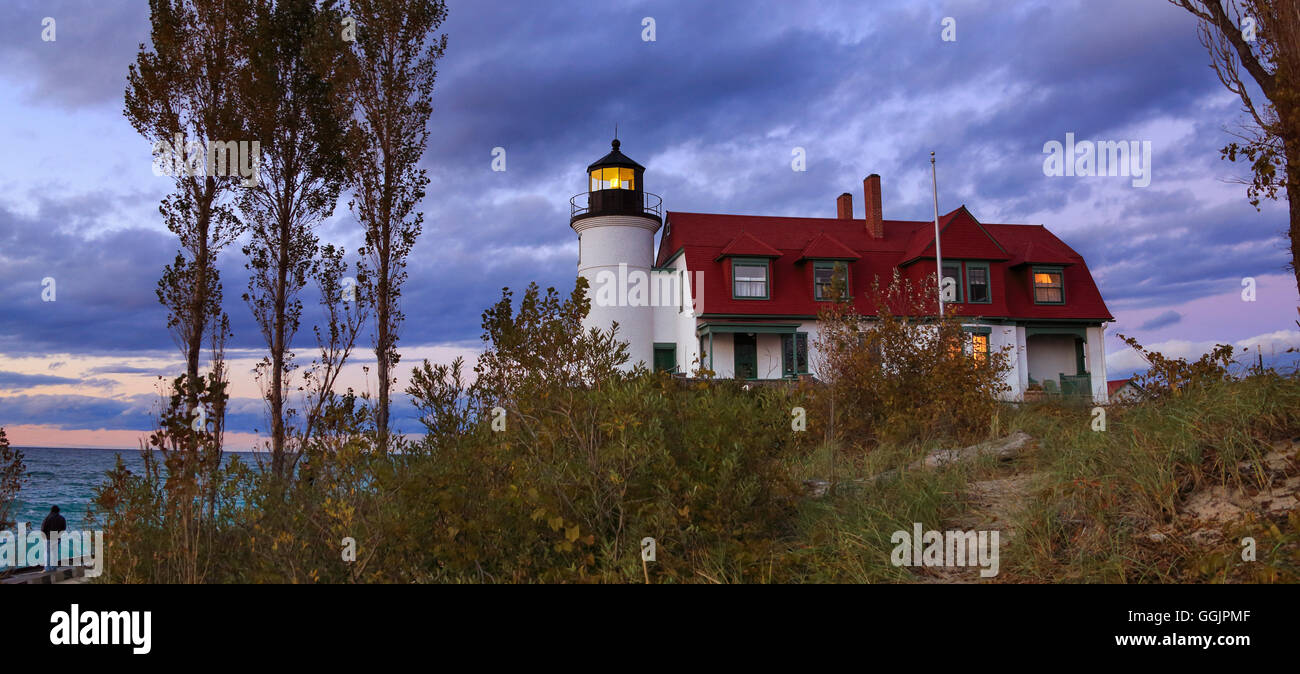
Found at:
(844, 206)
(875, 216)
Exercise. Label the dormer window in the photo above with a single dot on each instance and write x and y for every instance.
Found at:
(950, 286)
(974, 286)
(824, 274)
(977, 283)
(749, 279)
(1049, 285)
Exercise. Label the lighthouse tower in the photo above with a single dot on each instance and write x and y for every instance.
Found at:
(616, 221)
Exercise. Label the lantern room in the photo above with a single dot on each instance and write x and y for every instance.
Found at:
(615, 171)
(613, 178)
(614, 188)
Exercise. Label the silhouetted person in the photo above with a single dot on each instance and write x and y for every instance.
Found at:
(53, 525)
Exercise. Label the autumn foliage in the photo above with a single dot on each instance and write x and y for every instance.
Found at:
(904, 375)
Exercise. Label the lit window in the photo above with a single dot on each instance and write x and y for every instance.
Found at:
(613, 178)
(749, 279)
(1049, 287)
(979, 348)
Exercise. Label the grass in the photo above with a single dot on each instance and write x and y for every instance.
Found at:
(1109, 491)
(1096, 499)
(845, 536)
(1078, 505)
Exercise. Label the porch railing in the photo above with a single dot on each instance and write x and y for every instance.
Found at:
(1067, 385)
(1076, 385)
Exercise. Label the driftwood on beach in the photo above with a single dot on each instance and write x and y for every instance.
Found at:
(1003, 449)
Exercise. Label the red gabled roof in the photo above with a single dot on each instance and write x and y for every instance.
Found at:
(1116, 384)
(964, 238)
(747, 245)
(922, 240)
(705, 239)
(826, 247)
(1041, 252)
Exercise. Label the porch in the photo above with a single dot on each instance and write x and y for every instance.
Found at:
(1057, 362)
(754, 351)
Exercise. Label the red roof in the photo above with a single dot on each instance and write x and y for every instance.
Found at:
(746, 245)
(706, 239)
(1041, 252)
(826, 247)
(960, 231)
(1116, 384)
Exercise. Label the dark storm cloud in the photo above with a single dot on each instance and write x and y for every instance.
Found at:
(85, 64)
(1164, 320)
(131, 369)
(78, 411)
(15, 381)
(245, 415)
(720, 99)
(103, 285)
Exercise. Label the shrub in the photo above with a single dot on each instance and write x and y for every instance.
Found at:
(587, 460)
(1166, 376)
(902, 376)
(552, 466)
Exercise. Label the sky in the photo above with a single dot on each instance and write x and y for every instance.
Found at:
(714, 106)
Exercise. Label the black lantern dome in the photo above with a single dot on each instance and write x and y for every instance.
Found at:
(615, 171)
(615, 188)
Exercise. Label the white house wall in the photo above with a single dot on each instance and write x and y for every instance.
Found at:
(1095, 352)
(769, 356)
(688, 343)
(665, 312)
(1022, 360)
(724, 356)
(674, 317)
(1005, 337)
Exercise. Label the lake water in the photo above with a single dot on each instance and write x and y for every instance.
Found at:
(65, 477)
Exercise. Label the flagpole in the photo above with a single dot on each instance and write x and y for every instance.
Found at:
(938, 252)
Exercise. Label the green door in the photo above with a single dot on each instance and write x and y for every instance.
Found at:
(665, 357)
(746, 355)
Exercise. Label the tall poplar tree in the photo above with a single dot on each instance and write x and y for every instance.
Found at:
(179, 88)
(297, 106)
(395, 54)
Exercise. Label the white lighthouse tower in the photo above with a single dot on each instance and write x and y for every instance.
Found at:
(616, 222)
